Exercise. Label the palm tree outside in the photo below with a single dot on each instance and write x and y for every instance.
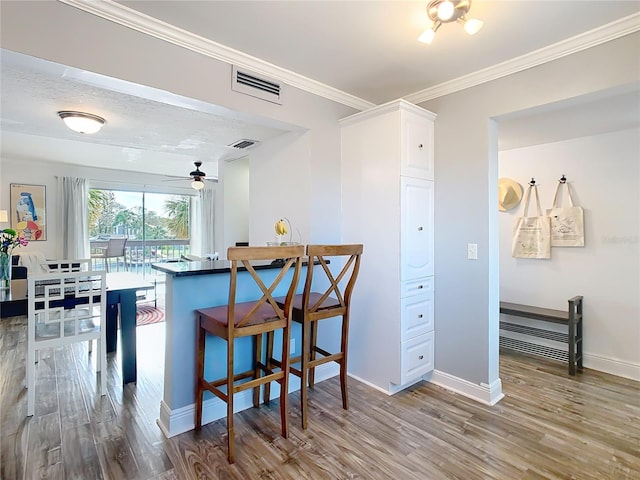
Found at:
(156, 232)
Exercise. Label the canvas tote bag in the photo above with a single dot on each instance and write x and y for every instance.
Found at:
(567, 223)
(532, 235)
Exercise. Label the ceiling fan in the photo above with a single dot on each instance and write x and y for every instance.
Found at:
(198, 177)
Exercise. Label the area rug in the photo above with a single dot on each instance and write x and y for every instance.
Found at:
(148, 314)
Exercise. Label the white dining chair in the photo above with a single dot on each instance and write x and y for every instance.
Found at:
(65, 265)
(65, 308)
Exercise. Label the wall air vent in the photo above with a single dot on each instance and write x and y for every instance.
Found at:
(244, 143)
(259, 87)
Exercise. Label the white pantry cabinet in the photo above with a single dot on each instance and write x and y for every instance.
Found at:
(387, 200)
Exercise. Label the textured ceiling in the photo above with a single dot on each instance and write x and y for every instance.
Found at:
(149, 130)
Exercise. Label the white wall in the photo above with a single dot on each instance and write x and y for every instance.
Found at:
(280, 188)
(139, 58)
(45, 173)
(467, 292)
(603, 172)
(235, 186)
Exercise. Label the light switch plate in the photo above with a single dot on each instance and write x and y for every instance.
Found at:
(472, 251)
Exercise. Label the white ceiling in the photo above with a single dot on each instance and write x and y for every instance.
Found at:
(364, 50)
(369, 48)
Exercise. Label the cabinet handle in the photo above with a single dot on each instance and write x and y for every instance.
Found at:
(420, 316)
(419, 229)
(420, 146)
(419, 286)
(420, 357)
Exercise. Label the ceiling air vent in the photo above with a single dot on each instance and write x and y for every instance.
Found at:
(266, 89)
(244, 143)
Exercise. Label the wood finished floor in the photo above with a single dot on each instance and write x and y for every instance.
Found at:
(549, 426)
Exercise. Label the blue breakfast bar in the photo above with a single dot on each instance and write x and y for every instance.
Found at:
(194, 285)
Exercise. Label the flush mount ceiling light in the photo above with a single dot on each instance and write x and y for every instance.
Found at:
(447, 11)
(82, 122)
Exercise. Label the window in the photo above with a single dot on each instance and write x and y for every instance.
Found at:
(156, 225)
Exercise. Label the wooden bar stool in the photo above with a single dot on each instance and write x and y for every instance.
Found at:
(314, 305)
(249, 319)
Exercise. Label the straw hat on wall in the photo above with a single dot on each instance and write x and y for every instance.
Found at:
(509, 194)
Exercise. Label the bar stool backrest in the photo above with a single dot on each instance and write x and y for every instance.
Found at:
(243, 256)
(335, 299)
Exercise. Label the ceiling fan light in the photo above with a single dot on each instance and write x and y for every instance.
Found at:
(197, 184)
(473, 26)
(82, 122)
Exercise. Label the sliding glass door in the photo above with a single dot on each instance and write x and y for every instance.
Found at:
(156, 227)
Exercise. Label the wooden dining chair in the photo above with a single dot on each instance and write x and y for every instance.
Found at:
(65, 308)
(249, 318)
(315, 304)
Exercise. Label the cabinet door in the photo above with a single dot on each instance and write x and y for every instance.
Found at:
(417, 358)
(416, 315)
(417, 146)
(416, 234)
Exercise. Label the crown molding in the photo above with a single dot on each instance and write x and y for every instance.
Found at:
(592, 38)
(392, 106)
(127, 17)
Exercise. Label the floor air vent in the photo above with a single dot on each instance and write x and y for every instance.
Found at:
(244, 143)
(263, 88)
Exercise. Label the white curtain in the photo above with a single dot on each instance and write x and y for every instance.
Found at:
(207, 221)
(195, 225)
(74, 217)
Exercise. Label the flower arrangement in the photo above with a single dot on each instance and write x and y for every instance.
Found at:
(9, 239)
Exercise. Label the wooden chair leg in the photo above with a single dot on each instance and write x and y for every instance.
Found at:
(200, 343)
(312, 352)
(304, 370)
(269, 364)
(230, 430)
(284, 384)
(257, 371)
(343, 361)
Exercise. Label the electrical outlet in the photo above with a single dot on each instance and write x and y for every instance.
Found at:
(292, 345)
(472, 251)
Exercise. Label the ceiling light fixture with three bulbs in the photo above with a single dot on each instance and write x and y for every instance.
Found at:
(447, 11)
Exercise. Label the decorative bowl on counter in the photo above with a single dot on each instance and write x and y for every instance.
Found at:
(282, 244)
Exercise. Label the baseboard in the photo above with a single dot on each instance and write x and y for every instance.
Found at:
(393, 389)
(612, 366)
(180, 420)
(489, 394)
(369, 384)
